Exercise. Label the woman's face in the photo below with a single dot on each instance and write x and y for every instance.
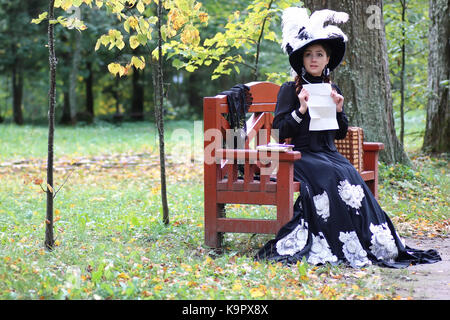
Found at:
(315, 59)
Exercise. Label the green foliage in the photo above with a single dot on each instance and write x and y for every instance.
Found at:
(238, 43)
(417, 194)
(416, 34)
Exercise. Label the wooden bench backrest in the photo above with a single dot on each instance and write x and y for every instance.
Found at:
(264, 101)
(259, 124)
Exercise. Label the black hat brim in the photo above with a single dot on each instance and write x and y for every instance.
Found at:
(336, 45)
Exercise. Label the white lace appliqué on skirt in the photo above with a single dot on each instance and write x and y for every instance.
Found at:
(383, 244)
(352, 249)
(294, 241)
(352, 195)
(320, 251)
(322, 204)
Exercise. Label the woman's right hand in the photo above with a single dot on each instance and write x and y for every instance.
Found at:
(303, 96)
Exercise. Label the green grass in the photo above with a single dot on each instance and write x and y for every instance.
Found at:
(111, 243)
(414, 129)
(102, 138)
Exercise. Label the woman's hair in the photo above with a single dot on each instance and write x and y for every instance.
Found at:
(298, 78)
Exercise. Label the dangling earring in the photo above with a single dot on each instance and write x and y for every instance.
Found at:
(303, 71)
(326, 71)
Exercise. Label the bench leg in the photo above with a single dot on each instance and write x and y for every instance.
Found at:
(213, 211)
(373, 187)
(285, 194)
(285, 212)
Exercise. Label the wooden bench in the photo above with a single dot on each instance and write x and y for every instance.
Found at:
(268, 177)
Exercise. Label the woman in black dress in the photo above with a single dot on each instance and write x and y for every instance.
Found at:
(336, 217)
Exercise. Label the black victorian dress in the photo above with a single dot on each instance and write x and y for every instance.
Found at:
(336, 217)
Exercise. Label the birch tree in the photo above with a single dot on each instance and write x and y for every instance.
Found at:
(139, 25)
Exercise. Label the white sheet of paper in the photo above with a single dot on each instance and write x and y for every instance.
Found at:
(322, 108)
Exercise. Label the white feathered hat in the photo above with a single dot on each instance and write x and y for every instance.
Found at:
(300, 31)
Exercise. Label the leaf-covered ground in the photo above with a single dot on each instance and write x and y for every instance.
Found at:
(111, 243)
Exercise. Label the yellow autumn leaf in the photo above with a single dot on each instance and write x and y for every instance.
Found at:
(257, 292)
(41, 17)
(120, 44)
(123, 276)
(158, 287)
(208, 260)
(237, 286)
(133, 22)
(186, 267)
(114, 68)
(203, 16)
(155, 190)
(176, 19)
(198, 6)
(66, 4)
(134, 43)
(140, 7)
(190, 35)
(99, 3)
(139, 64)
(123, 71)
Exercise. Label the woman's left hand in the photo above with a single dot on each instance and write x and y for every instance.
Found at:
(338, 99)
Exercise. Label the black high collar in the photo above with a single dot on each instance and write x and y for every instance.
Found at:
(312, 79)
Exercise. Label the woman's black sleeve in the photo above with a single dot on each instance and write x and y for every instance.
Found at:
(288, 119)
(341, 119)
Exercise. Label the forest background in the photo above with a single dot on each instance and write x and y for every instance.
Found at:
(88, 93)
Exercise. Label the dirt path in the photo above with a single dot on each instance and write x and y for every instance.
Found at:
(426, 281)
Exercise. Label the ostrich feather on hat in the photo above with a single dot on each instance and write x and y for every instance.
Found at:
(300, 30)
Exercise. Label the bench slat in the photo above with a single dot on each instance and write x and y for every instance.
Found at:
(264, 198)
(247, 225)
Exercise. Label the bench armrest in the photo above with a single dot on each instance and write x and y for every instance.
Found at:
(370, 156)
(256, 155)
(373, 146)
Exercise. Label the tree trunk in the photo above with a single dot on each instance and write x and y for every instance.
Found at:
(17, 88)
(66, 117)
(364, 74)
(73, 77)
(403, 75)
(137, 103)
(49, 240)
(437, 130)
(159, 114)
(69, 111)
(193, 92)
(89, 82)
(118, 116)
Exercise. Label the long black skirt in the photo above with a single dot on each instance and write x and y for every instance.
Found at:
(338, 220)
